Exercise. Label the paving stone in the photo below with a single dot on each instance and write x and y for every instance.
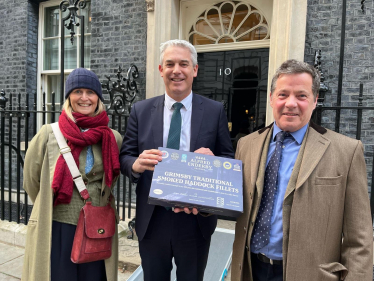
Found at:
(4, 277)
(9, 253)
(13, 267)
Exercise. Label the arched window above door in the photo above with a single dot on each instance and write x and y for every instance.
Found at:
(228, 22)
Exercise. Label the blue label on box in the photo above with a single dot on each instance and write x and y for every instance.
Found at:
(187, 179)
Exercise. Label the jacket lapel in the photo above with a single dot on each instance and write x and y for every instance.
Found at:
(196, 120)
(157, 119)
(315, 146)
(259, 152)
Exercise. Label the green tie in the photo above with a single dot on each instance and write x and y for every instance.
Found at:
(175, 127)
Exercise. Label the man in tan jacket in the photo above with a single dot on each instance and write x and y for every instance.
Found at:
(306, 207)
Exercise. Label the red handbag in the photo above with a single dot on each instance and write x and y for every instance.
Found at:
(96, 225)
(94, 233)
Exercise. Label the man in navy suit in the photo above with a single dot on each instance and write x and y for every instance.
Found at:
(181, 233)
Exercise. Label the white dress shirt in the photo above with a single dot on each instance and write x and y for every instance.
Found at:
(186, 111)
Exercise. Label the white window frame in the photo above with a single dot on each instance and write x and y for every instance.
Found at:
(42, 85)
(191, 9)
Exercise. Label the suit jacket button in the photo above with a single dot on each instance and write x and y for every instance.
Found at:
(240, 266)
(103, 193)
(250, 194)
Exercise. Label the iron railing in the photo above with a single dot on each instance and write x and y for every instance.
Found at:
(16, 115)
(336, 126)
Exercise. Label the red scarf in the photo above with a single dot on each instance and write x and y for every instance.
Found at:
(63, 184)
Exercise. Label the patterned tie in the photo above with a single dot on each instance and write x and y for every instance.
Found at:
(175, 127)
(261, 229)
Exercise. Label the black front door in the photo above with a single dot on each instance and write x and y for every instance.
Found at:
(239, 80)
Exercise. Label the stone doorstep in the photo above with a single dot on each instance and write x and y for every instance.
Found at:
(13, 233)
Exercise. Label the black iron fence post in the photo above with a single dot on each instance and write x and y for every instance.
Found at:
(359, 112)
(322, 87)
(10, 118)
(18, 151)
(27, 116)
(3, 101)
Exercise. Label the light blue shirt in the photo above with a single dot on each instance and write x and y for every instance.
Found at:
(90, 156)
(89, 159)
(186, 112)
(291, 147)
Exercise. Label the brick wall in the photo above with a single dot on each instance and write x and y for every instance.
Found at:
(119, 38)
(13, 45)
(32, 49)
(323, 32)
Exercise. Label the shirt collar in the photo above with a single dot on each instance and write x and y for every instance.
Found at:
(187, 102)
(298, 135)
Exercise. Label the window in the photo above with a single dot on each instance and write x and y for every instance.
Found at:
(228, 22)
(50, 51)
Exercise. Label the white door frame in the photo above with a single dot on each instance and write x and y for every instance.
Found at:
(287, 37)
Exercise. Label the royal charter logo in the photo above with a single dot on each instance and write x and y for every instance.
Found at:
(165, 154)
(236, 167)
(175, 156)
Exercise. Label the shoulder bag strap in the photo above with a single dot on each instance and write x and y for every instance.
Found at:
(66, 153)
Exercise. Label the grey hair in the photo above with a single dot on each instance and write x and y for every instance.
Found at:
(297, 67)
(179, 43)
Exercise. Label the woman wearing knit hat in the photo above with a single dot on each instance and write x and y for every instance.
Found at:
(48, 182)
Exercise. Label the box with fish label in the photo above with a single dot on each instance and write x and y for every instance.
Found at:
(209, 183)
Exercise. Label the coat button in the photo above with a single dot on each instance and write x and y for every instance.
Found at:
(252, 223)
(250, 194)
(85, 183)
(240, 266)
(103, 193)
(94, 173)
(247, 248)
(245, 229)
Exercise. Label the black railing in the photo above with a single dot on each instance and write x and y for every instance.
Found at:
(359, 109)
(16, 117)
(336, 124)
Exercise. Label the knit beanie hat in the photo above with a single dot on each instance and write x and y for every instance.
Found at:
(83, 78)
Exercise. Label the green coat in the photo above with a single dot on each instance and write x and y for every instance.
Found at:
(39, 167)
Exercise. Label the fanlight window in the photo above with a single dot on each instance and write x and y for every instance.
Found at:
(228, 22)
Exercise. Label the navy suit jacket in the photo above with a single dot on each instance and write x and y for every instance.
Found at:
(209, 129)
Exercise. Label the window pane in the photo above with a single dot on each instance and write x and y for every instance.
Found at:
(86, 12)
(50, 57)
(70, 60)
(51, 21)
(87, 51)
(53, 85)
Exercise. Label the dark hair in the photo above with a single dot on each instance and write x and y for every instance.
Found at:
(297, 67)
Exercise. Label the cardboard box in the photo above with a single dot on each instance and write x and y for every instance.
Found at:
(209, 183)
